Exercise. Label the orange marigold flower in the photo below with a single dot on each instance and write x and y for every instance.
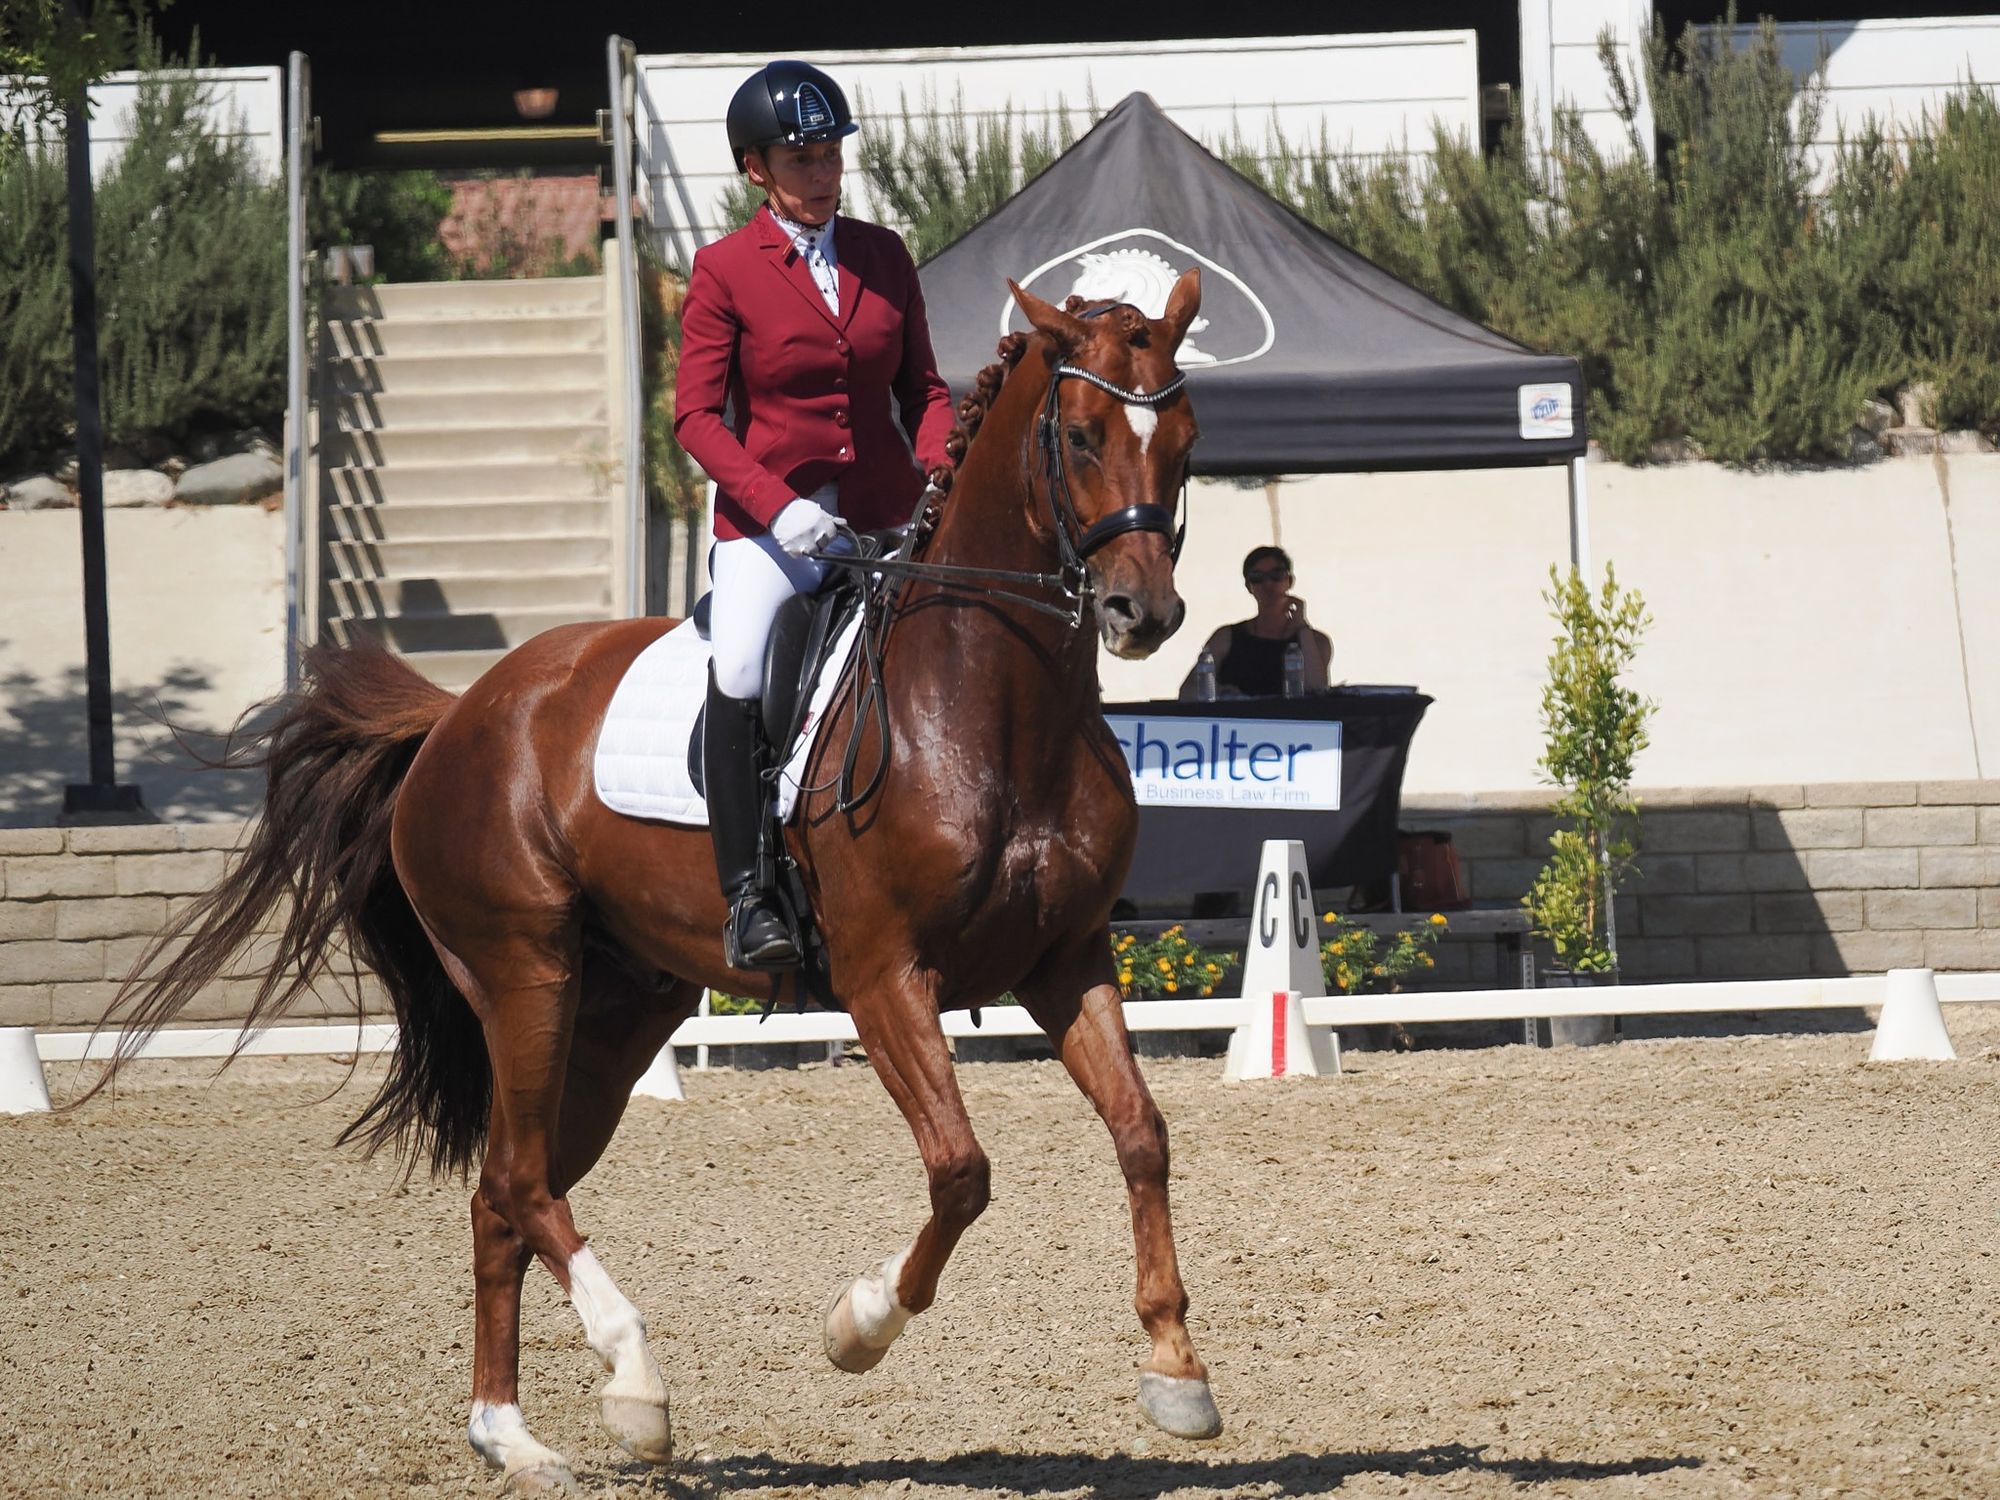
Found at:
(1438, 919)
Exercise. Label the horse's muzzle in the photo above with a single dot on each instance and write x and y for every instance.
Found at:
(1134, 626)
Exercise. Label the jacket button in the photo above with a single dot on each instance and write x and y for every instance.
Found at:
(840, 347)
(840, 419)
(843, 453)
(840, 382)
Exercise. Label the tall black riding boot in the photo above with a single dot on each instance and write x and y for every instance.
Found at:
(732, 757)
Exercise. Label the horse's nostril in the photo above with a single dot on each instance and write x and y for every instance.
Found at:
(1121, 608)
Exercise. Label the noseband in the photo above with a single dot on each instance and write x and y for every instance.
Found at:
(1076, 549)
(1072, 583)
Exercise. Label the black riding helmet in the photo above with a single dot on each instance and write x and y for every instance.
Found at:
(787, 101)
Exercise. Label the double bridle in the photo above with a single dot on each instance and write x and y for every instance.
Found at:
(1071, 583)
(1075, 549)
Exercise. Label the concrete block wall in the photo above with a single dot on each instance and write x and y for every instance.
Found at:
(1766, 881)
(1732, 883)
(80, 906)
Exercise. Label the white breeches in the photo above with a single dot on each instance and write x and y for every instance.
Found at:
(751, 578)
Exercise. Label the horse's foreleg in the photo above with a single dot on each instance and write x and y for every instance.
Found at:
(1089, 1035)
(907, 1048)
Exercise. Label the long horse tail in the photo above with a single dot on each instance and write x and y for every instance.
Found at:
(334, 759)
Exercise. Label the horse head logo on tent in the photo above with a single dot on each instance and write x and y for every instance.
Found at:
(1143, 279)
(1140, 266)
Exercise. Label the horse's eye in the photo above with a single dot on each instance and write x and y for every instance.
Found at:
(1079, 439)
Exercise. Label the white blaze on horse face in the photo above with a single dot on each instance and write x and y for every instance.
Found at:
(1144, 420)
(879, 1314)
(615, 1330)
(499, 1434)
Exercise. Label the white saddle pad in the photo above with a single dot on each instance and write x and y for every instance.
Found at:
(641, 763)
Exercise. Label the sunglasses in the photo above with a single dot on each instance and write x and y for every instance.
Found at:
(1266, 575)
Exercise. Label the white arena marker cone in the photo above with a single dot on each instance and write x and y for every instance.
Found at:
(1280, 966)
(23, 1089)
(1911, 1025)
(662, 1080)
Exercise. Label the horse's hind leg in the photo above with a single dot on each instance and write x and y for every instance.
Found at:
(544, 1136)
(623, 1024)
(907, 1048)
(1081, 1014)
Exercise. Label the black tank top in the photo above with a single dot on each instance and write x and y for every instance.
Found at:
(1254, 666)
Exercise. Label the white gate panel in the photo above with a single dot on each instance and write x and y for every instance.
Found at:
(243, 102)
(1372, 95)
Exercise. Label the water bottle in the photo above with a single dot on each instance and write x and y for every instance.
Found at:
(1204, 678)
(1295, 670)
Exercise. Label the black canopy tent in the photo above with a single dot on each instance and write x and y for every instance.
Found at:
(1307, 357)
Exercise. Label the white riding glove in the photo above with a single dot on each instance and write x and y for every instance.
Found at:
(802, 526)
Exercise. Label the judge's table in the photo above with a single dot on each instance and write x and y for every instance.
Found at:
(1215, 780)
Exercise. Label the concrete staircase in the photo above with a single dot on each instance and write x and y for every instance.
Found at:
(466, 467)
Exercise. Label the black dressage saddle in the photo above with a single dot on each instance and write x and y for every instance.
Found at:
(803, 633)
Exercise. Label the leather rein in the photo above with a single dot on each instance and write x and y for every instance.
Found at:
(1071, 583)
(1074, 541)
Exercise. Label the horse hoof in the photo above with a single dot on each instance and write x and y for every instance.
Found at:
(842, 1340)
(540, 1479)
(1181, 1407)
(642, 1428)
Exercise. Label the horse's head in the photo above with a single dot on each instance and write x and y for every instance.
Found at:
(1112, 446)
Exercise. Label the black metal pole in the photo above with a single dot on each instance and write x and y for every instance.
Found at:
(101, 795)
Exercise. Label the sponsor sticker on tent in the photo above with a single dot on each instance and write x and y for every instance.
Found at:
(1545, 411)
(1203, 762)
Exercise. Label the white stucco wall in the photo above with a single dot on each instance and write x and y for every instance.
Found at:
(1807, 627)
(1807, 624)
(197, 613)
(1371, 94)
(245, 102)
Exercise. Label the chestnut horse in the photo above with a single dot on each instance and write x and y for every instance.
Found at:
(539, 948)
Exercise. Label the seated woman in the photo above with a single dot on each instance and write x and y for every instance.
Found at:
(1250, 655)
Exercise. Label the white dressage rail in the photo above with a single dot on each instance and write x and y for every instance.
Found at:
(1220, 1013)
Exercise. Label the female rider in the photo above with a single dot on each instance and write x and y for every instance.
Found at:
(796, 333)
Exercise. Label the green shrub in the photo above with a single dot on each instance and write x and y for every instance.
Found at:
(935, 177)
(673, 484)
(36, 364)
(1595, 727)
(399, 213)
(1928, 212)
(1721, 295)
(1356, 960)
(1170, 965)
(190, 284)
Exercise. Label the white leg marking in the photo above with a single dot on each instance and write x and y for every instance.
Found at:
(879, 1314)
(615, 1330)
(499, 1434)
(1143, 419)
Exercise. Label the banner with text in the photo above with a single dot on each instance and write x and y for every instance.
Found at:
(1204, 762)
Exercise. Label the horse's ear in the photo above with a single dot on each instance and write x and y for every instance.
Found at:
(1066, 329)
(1183, 302)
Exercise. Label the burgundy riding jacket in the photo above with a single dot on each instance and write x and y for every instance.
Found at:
(808, 392)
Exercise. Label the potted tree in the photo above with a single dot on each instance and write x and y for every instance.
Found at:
(1596, 726)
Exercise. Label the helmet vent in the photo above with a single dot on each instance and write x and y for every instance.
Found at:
(814, 112)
